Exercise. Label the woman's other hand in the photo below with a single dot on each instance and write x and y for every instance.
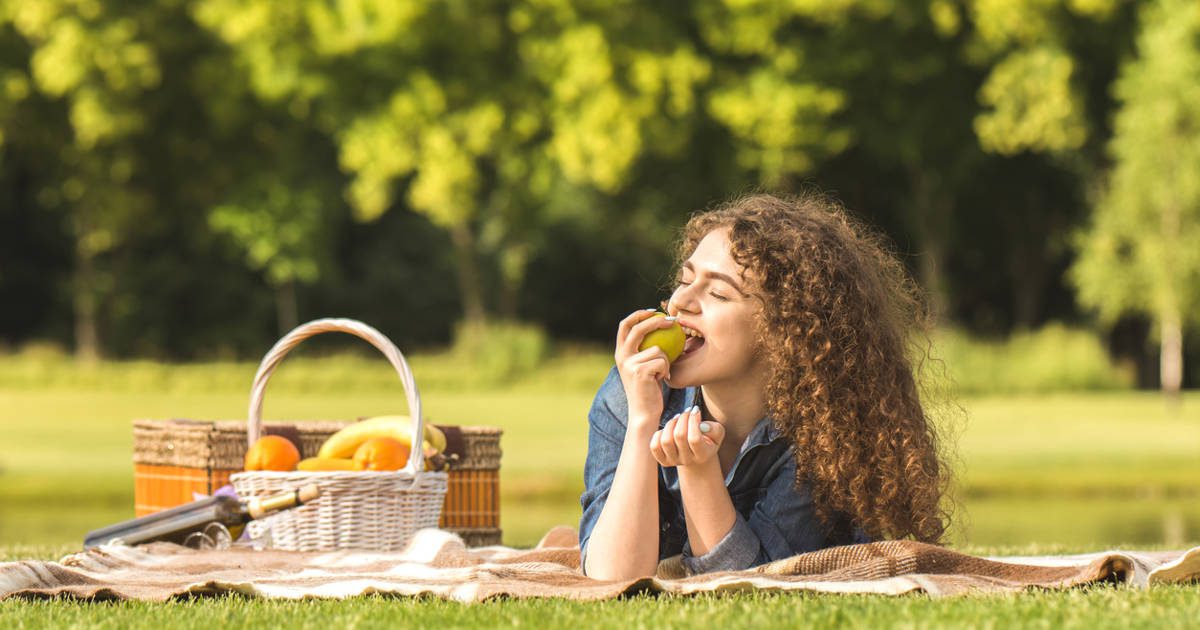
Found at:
(642, 372)
(684, 441)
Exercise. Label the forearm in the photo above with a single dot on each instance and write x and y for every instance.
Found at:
(624, 542)
(706, 505)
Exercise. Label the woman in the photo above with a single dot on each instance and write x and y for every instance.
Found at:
(793, 419)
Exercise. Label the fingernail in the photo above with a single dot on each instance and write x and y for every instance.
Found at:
(694, 409)
(705, 427)
(649, 310)
(670, 318)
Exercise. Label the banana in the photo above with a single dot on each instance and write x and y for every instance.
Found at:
(343, 443)
(321, 464)
(435, 437)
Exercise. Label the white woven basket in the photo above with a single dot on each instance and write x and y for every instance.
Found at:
(356, 510)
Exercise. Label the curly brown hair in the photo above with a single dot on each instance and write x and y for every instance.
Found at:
(840, 316)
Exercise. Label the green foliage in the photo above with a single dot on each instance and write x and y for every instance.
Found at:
(1033, 107)
(497, 353)
(279, 228)
(782, 124)
(1053, 358)
(500, 351)
(1139, 255)
(155, 133)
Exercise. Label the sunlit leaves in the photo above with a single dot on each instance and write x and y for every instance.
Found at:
(784, 126)
(97, 60)
(1140, 253)
(1031, 104)
(348, 26)
(415, 133)
(272, 42)
(276, 225)
(1003, 22)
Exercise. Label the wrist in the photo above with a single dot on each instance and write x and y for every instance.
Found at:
(643, 423)
(706, 471)
(640, 432)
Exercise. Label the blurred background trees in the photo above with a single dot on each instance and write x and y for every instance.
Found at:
(184, 180)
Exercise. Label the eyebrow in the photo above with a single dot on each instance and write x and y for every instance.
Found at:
(718, 275)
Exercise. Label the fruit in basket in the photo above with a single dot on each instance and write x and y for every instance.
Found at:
(325, 464)
(435, 437)
(272, 452)
(434, 459)
(345, 443)
(381, 453)
(671, 340)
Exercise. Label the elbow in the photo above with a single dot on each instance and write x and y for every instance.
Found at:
(617, 571)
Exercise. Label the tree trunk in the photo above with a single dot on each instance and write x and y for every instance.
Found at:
(513, 261)
(1171, 356)
(931, 277)
(470, 288)
(929, 219)
(87, 337)
(286, 310)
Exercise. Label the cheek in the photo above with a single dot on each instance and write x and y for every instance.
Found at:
(737, 337)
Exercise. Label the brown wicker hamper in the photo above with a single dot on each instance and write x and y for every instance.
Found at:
(172, 459)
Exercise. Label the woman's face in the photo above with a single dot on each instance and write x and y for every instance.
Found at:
(714, 304)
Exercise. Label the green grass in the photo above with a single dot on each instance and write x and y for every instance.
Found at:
(1098, 606)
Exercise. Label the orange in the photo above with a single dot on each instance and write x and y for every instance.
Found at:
(381, 453)
(272, 452)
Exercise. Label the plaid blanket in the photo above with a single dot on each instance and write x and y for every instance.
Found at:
(438, 563)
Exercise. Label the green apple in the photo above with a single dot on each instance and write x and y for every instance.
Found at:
(671, 339)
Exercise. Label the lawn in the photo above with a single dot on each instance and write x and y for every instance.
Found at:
(1055, 473)
(1093, 607)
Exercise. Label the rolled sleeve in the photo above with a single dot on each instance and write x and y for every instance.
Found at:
(739, 549)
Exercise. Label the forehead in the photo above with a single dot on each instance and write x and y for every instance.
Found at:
(712, 254)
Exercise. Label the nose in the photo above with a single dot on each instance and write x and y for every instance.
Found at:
(683, 299)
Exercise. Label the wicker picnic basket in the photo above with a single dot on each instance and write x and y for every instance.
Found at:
(357, 509)
(175, 458)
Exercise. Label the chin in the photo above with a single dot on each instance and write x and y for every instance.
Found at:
(686, 377)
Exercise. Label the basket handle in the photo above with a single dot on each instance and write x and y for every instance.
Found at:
(358, 329)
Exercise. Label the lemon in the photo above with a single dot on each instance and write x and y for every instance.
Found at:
(669, 339)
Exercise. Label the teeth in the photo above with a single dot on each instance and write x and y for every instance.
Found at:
(691, 332)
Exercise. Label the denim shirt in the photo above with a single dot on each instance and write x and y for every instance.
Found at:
(774, 519)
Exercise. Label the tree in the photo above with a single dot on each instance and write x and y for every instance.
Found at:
(489, 117)
(94, 57)
(1140, 253)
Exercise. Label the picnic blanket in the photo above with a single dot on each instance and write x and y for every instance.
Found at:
(438, 563)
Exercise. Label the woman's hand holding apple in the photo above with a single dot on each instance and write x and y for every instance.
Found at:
(642, 371)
